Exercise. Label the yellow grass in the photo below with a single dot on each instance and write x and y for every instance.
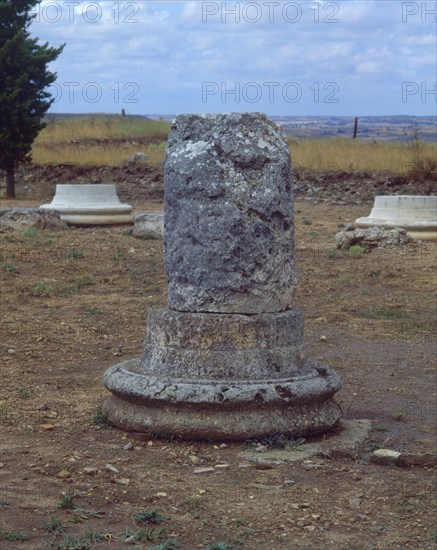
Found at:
(99, 154)
(103, 127)
(347, 155)
(62, 142)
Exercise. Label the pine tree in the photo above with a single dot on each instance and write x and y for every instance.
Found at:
(24, 79)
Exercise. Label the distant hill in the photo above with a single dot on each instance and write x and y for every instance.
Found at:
(387, 128)
(379, 128)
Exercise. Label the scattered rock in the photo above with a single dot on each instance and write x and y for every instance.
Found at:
(355, 501)
(419, 459)
(47, 427)
(89, 470)
(129, 446)
(371, 237)
(123, 481)
(161, 495)
(385, 456)
(111, 468)
(138, 158)
(19, 219)
(148, 225)
(42, 407)
(261, 465)
(194, 459)
(204, 470)
(64, 474)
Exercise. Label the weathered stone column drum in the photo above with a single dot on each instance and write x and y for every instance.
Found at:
(226, 359)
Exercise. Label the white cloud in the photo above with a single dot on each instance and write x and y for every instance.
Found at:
(169, 51)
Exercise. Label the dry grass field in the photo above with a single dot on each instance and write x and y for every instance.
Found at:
(113, 140)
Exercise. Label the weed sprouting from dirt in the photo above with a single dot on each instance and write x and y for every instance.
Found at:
(72, 542)
(146, 534)
(372, 313)
(91, 536)
(53, 525)
(75, 255)
(100, 419)
(42, 289)
(356, 251)
(9, 268)
(14, 535)
(66, 502)
(5, 415)
(150, 516)
(83, 281)
(30, 233)
(169, 544)
(221, 545)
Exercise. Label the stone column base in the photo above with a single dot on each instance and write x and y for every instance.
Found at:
(221, 409)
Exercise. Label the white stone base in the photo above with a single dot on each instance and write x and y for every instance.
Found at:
(414, 213)
(91, 204)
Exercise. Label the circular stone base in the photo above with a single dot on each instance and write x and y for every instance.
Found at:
(90, 204)
(416, 214)
(97, 219)
(221, 410)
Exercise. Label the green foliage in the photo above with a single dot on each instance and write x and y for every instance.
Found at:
(91, 536)
(74, 255)
(222, 545)
(169, 544)
(30, 233)
(378, 314)
(356, 251)
(53, 525)
(13, 535)
(150, 516)
(83, 281)
(71, 542)
(101, 420)
(5, 415)
(24, 78)
(66, 502)
(41, 289)
(145, 534)
(9, 268)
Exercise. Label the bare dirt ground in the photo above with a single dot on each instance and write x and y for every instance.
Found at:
(74, 303)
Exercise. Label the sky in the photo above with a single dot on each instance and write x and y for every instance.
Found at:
(303, 58)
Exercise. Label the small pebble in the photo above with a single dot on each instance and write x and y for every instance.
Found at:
(204, 470)
(90, 470)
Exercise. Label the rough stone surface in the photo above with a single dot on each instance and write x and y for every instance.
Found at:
(345, 442)
(226, 359)
(19, 219)
(372, 237)
(228, 215)
(138, 158)
(148, 225)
